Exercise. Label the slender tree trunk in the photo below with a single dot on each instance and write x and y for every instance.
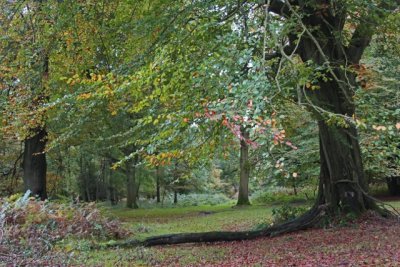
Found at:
(131, 200)
(243, 198)
(34, 164)
(175, 197)
(137, 187)
(158, 181)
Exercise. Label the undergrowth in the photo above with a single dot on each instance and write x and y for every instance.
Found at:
(281, 195)
(185, 200)
(32, 232)
(287, 213)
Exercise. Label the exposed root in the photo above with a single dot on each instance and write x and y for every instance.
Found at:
(374, 203)
(308, 220)
(381, 207)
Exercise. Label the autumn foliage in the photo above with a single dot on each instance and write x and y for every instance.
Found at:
(30, 229)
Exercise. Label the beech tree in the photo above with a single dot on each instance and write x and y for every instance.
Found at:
(319, 44)
(166, 72)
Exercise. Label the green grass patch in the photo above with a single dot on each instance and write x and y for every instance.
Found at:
(150, 222)
(157, 221)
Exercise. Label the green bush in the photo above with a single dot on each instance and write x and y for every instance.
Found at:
(202, 199)
(281, 195)
(286, 213)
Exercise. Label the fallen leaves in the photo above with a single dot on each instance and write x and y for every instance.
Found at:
(369, 242)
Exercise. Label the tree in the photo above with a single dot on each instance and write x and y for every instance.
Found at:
(28, 71)
(243, 197)
(323, 42)
(132, 183)
(209, 64)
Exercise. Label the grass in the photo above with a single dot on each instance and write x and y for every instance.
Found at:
(158, 221)
(150, 222)
(223, 217)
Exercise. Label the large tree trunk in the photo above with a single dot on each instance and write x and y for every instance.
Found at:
(341, 173)
(243, 197)
(34, 164)
(343, 183)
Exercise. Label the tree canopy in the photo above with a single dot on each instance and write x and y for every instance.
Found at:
(123, 95)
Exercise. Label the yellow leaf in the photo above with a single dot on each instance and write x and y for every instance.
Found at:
(84, 96)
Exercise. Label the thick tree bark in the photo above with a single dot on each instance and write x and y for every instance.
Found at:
(342, 180)
(243, 197)
(342, 177)
(34, 164)
(344, 186)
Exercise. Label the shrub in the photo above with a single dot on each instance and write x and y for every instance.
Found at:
(29, 229)
(187, 200)
(202, 199)
(281, 195)
(286, 213)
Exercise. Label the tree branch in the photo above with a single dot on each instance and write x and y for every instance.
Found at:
(362, 36)
(359, 42)
(279, 7)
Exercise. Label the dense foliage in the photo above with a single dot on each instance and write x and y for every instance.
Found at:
(184, 108)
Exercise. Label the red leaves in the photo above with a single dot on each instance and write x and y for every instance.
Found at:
(30, 231)
(260, 126)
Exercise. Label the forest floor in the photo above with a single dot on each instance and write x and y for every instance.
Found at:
(46, 233)
(368, 241)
